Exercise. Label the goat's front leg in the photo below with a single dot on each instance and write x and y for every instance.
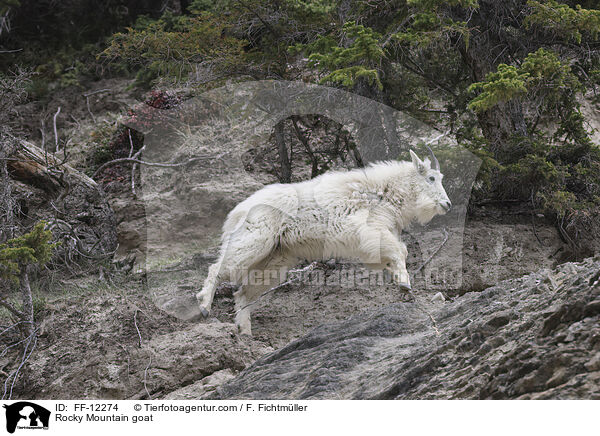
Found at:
(398, 266)
(381, 247)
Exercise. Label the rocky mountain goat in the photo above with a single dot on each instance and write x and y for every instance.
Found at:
(354, 214)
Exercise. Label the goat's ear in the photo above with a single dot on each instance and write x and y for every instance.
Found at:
(418, 163)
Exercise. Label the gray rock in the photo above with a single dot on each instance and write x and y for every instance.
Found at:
(533, 337)
(202, 387)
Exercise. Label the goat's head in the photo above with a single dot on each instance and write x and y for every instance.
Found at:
(432, 199)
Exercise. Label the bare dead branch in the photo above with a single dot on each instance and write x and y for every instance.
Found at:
(43, 132)
(15, 374)
(284, 158)
(12, 327)
(136, 327)
(56, 130)
(146, 377)
(134, 169)
(98, 91)
(307, 268)
(430, 258)
(89, 109)
(151, 164)
(130, 143)
(304, 140)
(11, 308)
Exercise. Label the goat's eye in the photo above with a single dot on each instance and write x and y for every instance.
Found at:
(431, 179)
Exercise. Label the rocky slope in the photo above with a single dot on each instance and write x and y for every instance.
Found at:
(118, 345)
(110, 341)
(536, 337)
(533, 337)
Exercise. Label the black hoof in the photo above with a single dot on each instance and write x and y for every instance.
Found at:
(404, 287)
(204, 312)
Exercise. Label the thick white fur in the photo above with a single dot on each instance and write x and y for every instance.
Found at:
(354, 214)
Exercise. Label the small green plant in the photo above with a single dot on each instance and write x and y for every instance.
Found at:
(17, 255)
(38, 88)
(102, 151)
(34, 247)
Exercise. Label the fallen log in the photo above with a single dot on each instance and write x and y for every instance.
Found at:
(32, 165)
(74, 205)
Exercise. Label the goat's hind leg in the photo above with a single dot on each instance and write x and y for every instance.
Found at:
(270, 273)
(242, 312)
(238, 253)
(206, 295)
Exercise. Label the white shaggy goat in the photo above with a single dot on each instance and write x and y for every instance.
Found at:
(354, 214)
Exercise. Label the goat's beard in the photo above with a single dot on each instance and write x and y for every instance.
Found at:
(427, 209)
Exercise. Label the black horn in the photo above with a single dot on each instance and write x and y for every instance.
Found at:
(435, 165)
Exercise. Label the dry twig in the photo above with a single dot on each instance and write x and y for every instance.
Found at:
(151, 164)
(11, 308)
(136, 327)
(56, 130)
(429, 259)
(146, 378)
(281, 285)
(15, 374)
